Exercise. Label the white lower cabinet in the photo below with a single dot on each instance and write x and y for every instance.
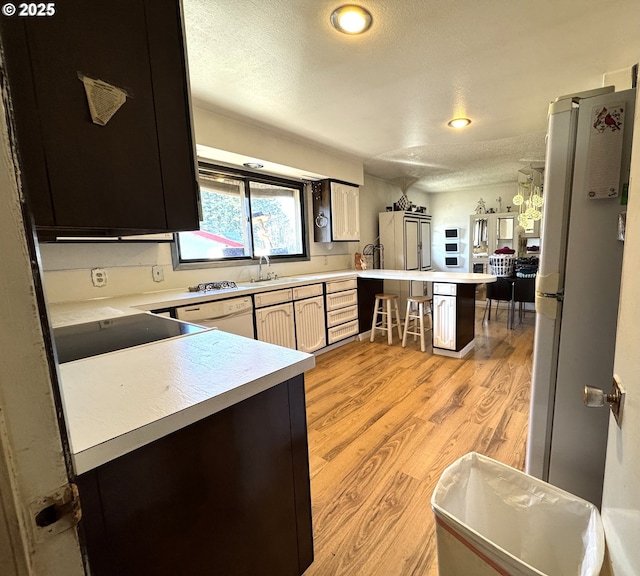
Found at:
(444, 321)
(342, 331)
(342, 309)
(293, 318)
(304, 318)
(310, 324)
(342, 315)
(275, 324)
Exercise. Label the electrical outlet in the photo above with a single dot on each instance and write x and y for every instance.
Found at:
(99, 277)
(326, 260)
(158, 273)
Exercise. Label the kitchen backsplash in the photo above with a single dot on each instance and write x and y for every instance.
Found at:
(128, 269)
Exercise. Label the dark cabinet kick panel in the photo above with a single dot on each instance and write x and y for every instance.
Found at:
(367, 290)
(227, 495)
(135, 174)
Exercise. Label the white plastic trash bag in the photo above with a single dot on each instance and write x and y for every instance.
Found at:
(493, 519)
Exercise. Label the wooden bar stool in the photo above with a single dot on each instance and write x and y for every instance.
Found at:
(415, 313)
(382, 307)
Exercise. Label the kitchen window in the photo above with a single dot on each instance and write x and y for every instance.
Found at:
(244, 216)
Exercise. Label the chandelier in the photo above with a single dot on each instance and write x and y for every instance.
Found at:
(529, 201)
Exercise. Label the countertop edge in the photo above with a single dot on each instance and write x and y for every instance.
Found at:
(95, 456)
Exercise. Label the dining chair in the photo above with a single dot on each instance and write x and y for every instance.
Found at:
(524, 290)
(501, 291)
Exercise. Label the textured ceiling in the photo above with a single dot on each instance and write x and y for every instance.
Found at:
(386, 96)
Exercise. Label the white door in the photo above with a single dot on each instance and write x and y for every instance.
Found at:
(274, 324)
(425, 245)
(310, 324)
(345, 212)
(444, 321)
(411, 245)
(621, 496)
(32, 455)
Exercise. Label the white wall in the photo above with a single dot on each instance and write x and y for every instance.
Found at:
(220, 132)
(453, 209)
(375, 196)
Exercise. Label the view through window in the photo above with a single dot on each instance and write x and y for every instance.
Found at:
(244, 218)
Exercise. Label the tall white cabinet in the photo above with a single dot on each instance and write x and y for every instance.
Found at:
(406, 237)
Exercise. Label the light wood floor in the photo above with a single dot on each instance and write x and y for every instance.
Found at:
(385, 421)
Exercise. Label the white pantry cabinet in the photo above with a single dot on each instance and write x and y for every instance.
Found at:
(406, 238)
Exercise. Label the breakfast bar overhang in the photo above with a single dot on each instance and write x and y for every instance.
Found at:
(453, 309)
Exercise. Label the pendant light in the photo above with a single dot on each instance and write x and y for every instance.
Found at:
(529, 201)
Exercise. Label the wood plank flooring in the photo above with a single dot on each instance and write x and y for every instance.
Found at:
(384, 422)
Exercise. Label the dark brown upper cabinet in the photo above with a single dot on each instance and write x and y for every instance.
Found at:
(136, 173)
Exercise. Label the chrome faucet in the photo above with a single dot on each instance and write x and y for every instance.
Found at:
(260, 265)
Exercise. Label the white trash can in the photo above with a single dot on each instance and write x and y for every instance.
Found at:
(493, 519)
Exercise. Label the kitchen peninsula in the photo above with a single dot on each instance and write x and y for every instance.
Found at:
(453, 307)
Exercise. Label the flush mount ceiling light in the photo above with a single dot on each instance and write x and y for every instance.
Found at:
(351, 19)
(254, 165)
(459, 122)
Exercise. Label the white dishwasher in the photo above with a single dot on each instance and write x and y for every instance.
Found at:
(234, 315)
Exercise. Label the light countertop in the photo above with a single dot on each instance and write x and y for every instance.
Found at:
(117, 402)
(65, 313)
(429, 276)
(76, 312)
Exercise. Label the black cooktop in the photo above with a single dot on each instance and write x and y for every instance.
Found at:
(102, 336)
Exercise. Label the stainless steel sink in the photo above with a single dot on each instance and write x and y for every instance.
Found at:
(266, 281)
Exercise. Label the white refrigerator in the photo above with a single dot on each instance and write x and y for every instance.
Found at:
(578, 285)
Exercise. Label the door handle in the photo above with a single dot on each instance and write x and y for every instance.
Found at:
(596, 398)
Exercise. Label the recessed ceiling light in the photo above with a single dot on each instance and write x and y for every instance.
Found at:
(253, 165)
(351, 19)
(459, 122)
